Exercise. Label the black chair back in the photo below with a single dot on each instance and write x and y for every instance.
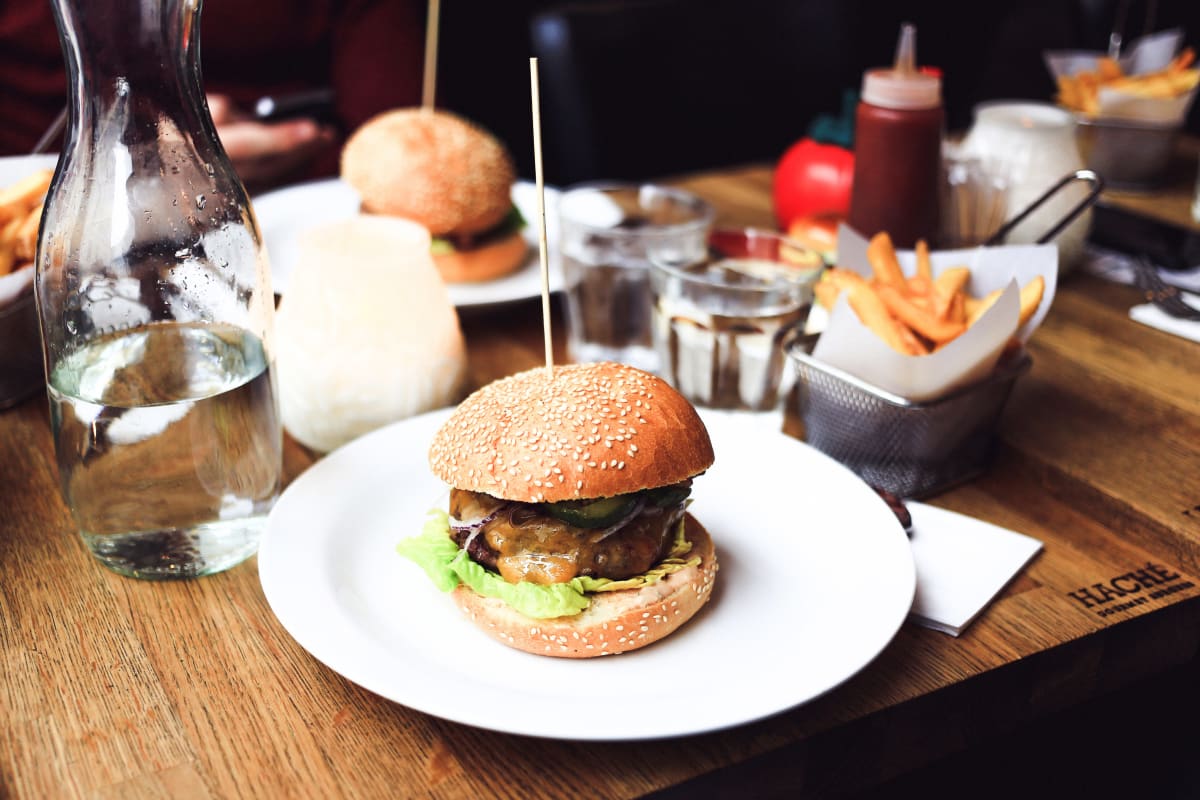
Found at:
(650, 88)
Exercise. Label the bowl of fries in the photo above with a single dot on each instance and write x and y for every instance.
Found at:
(1128, 120)
(23, 184)
(906, 382)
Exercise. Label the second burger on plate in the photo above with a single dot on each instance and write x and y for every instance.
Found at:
(451, 176)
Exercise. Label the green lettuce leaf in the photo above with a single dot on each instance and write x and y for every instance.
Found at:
(446, 565)
(531, 599)
(433, 550)
(512, 221)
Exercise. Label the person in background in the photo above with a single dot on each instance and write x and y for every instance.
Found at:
(368, 52)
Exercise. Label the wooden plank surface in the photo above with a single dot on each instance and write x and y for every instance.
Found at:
(118, 688)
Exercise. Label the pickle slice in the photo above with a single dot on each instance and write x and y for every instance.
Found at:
(666, 496)
(591, 513)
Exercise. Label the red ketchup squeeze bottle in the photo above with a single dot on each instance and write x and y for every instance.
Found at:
(898, 133)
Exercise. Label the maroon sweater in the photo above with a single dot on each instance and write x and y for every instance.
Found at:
(369, 51)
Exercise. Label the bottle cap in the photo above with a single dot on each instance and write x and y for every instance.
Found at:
(903, 85)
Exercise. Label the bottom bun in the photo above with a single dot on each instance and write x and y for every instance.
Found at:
(615, 622)
(492, 260)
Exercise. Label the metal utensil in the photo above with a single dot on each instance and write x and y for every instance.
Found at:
(316, 103)
(898, 508)
(1094, 181)
(1162, 294)
(1116, 37)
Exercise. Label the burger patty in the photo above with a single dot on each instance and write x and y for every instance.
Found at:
(524, 543)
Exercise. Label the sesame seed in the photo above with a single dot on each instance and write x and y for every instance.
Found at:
(516, 428)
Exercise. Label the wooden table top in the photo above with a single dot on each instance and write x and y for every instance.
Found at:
(114, 687)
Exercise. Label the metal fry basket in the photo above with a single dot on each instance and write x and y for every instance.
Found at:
(910, 449)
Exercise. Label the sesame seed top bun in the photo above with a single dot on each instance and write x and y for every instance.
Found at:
(430, 166)
(580, 431)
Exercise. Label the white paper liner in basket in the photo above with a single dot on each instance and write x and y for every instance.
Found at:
(849, 345)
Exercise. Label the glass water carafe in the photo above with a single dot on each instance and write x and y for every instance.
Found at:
(155, 302)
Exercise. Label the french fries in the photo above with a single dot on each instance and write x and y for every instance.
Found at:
(919, 314)
(924, 267)
(1031, 298)
(874, 313)
(1080, 92)
(20, 213)
(921, 321)
(882, 257)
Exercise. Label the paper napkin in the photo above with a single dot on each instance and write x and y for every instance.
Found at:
(1155, 317)
(962, 564)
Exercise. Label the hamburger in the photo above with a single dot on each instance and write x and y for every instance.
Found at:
(567, 532)
(448, 174)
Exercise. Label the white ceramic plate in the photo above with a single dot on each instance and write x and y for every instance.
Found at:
(13, 169)
(283, 214)
(816, 577)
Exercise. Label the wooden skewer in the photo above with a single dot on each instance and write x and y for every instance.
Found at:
(541, 209)
(431, 40)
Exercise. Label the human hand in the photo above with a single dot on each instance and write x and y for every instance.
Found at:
(264, 153)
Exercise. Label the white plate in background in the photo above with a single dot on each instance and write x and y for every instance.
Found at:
(284, 214)
(816, 576)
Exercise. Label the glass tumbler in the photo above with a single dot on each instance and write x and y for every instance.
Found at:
(155, 304)
(607, 233)
(720, 322)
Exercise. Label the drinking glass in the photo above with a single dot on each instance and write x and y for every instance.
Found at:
(155, 302)
(608, 231)
(720, 321)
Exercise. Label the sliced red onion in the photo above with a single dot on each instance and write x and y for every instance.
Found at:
(474, 525)
(634, 510)
(471, 537)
